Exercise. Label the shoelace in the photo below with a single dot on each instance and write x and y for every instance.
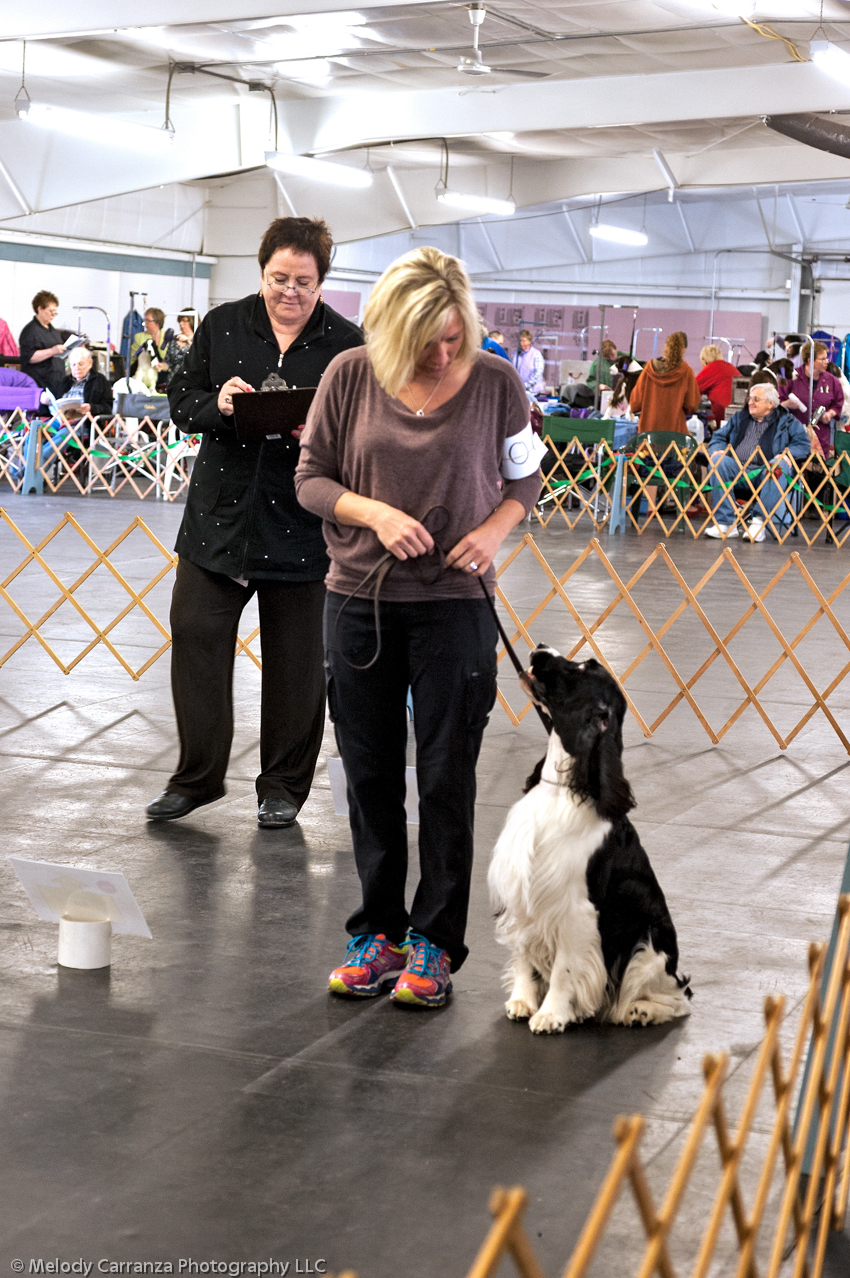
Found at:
(362, 947)
(424, 956)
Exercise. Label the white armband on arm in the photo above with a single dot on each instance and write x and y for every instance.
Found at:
(521, 454)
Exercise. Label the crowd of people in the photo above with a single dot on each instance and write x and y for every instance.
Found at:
(43, 355)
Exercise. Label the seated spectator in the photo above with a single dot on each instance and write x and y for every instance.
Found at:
(762, 424)
(666, 393)
(602, 370)
(500, 346)
(42, 349)
(178, 347)
(528, 362)
(715, 381)
(8, 345)
(828, 394)
(86, 384)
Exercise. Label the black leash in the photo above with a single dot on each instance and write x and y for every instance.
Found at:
(428, 575)
(517, 664)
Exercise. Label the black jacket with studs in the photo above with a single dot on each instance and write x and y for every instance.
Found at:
(242, 517)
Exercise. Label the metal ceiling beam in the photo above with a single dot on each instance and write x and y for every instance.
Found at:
(323, 124)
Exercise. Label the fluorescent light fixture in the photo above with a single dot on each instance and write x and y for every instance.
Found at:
(318, 170)
(477, 203)
(97, 128)
(618, 234)
(832, 60)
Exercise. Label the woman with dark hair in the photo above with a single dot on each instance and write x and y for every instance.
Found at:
(178, 347)
(244, 533)
(666, 393)
(42, 351)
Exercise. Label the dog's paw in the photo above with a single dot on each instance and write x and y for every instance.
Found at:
(548, 1023)
(519, 1010)
(644, 1012)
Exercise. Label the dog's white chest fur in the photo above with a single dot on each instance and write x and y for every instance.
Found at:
(538, 882)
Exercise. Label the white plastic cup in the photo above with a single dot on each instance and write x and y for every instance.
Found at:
(84, 945)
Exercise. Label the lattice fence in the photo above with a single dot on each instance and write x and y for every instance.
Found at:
(687, 643)
(784, 1227)
(98, 455)
(675, 486)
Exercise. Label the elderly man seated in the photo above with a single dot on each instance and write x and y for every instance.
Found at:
(764, 425)
(85, 384)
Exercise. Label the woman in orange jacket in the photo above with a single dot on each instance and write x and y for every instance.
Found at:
(665, 395)
(666, 392)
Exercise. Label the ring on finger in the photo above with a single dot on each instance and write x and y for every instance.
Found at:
(472, 566)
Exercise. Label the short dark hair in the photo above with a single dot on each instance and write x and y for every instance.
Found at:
(301, 234)
(44, 299)
(156, 314)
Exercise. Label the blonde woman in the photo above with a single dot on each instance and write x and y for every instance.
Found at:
(715, 381)
(418, 455)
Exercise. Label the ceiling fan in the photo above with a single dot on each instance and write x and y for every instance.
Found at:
(475, 65)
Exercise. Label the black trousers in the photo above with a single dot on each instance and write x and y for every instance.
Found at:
(445, 651)
(205, 612)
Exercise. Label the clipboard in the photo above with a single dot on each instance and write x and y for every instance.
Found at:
(271, 414)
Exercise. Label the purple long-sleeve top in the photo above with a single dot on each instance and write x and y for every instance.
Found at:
(13, 377)
(828, 394)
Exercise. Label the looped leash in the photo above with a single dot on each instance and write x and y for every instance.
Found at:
(382, 569)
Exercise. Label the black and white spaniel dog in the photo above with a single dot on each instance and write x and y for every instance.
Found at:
(576, 899)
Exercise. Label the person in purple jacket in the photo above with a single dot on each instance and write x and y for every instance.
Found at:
(828, 394)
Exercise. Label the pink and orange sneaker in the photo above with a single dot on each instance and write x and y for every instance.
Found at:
(371, 962)
(425, 982)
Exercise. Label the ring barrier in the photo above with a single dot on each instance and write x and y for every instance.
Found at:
(674, 487)
(782, 1230)
(88, 455)
(659, 641)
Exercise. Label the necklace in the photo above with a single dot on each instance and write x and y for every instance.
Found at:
(420, 412)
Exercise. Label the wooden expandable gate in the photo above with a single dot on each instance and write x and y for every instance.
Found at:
(668, 487)
(782, 1228)
(108, 455)
(811, 607)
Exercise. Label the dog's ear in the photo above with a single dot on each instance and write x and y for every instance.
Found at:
(534, 779)
(611, 791)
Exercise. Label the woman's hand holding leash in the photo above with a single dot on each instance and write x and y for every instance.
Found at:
(400, 534)
(235, 386)
(475, 552)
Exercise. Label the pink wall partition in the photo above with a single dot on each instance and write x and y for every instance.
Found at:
(562, 331)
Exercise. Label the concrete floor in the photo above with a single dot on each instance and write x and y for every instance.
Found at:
(205, 1099)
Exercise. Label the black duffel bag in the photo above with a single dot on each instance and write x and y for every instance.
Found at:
(155, 407)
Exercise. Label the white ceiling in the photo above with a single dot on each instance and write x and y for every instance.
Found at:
(615, 81)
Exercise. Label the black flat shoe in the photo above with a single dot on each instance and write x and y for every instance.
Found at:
(275, 814)
(170, 806)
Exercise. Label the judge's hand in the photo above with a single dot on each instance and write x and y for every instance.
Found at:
(298, 432)
(235, 386)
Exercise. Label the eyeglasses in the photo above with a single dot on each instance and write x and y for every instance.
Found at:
(283, 287)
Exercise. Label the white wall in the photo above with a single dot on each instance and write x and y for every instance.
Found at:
(20, 281)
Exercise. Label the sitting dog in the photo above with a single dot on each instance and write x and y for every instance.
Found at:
(576, 900)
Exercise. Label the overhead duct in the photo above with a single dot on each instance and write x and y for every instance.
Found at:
(822, 132)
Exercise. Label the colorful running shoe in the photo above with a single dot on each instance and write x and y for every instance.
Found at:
(371, 961)
(425, 982)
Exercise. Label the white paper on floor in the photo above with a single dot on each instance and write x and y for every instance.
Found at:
(336, 773)
(90, 896)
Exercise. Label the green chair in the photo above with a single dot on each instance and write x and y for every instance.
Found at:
(581, 466)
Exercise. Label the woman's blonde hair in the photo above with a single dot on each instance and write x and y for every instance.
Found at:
(408, 309)
(709, 354)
